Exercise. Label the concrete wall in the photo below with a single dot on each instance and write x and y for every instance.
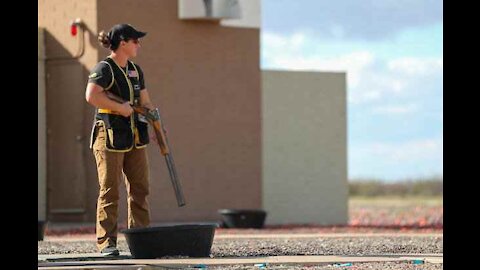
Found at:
(250, 15)
(42, 132)
(70, 172)
(205, 79)
(208, 9)
(304, 147)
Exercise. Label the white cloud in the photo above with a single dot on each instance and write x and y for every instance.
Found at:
(415, 66)
(415, 158)
(273, 43)
(376, 19)
(396, 109)
(289, 52)
(352, 63)
(374, 85)
(409, 151)
(369, 79)
(297, 40)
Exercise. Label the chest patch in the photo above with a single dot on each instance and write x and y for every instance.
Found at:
(132, 73)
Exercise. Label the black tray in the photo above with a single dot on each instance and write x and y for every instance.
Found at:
(243, 218)
(192, 240)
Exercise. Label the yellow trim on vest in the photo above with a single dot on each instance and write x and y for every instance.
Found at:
(130, 87)
(113, 77)
(141, 146)
(110, 135)
(136, 129)
(137, 140)
(108, 111)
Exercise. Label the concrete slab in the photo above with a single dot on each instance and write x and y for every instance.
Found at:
(94, 260)
(109, 267)
(81, 256)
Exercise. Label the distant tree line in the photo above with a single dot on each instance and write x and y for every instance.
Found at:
(374, 187)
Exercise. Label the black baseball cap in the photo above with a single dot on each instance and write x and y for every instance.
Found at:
(125, 32)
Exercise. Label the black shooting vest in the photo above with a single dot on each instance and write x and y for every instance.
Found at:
(122, 133)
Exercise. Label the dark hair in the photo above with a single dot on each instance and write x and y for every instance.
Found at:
(104, 39)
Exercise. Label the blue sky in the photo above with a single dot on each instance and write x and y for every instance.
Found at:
(392, 52)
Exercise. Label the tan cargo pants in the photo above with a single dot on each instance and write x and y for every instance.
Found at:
(110, 165)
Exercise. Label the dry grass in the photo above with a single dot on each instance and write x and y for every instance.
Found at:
(395, 211)
(409, 187)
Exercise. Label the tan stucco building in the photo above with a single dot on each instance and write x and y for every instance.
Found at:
(304, 147)
(204, 75)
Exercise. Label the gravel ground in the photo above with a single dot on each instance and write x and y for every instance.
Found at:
(351, 246)
(371, 245)
(379, 215)
(326, 246)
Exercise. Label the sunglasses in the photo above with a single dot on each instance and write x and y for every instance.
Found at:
(134, 40)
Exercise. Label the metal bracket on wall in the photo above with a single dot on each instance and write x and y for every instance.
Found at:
(76, 29)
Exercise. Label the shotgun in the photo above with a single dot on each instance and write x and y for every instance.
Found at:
(153, 117)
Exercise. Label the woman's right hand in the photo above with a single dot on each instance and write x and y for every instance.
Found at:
(125, 109)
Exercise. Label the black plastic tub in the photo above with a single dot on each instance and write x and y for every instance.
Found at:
(41, 229)
(242, 218)
(192, 240)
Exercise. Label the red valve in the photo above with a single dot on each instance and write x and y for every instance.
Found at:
(73, 29)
